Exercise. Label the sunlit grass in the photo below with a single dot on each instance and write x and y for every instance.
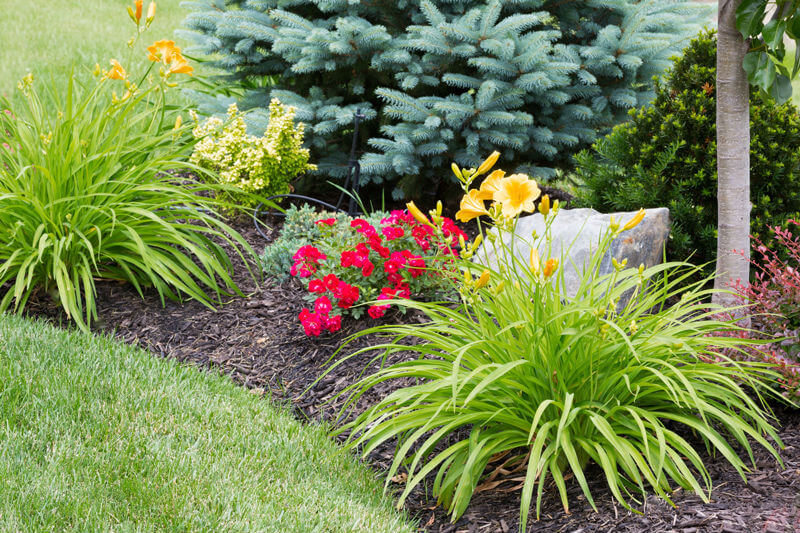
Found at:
(100, 436)
(48, 37)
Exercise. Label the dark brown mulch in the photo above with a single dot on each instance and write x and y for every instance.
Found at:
(258, 341)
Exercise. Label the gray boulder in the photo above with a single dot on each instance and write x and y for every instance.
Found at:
(576, 234)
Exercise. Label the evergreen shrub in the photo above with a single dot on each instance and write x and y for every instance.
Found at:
(666, 156)
(442, 80)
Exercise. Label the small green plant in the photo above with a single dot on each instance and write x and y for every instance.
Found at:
(256, 165)
(666, 156)
(85, 193)
(523, 376)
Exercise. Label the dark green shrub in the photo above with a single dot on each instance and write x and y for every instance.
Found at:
(666, 156)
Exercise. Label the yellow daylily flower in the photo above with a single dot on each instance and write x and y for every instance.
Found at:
(534, 260)
(414, 211)
(544, 205)
(483, 280)
(471, 207)
(490, 185)
(632, 223)
(516, 194)
(488, 163)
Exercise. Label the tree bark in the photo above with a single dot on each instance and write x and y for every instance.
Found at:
(733, 155)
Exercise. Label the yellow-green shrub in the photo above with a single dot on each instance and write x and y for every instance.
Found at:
(256, 165)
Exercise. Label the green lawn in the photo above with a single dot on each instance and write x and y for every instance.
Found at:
(100, 436)
(47, 38)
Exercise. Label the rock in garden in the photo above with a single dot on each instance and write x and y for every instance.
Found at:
(577, 232)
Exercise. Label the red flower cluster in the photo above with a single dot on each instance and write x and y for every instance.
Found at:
(377, 263)
(306, 261)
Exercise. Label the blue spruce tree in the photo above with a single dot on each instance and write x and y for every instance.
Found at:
(444, 80)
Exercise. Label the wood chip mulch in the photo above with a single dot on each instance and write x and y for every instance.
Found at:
(260, 344)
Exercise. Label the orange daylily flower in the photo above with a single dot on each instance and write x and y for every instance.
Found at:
(483, 280)
(180, 66)
(164, 51)
(471, 207)
(549, 267)
(490, 185)
(516, 194)
(116, 72)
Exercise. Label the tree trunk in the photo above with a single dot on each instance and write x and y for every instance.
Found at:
(733, 155)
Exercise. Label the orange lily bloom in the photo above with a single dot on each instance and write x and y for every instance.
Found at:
(490, 185)
(180, 66)
(516, 194)
(164, 51)
(116, 72)
(549, 267)
(471, 207)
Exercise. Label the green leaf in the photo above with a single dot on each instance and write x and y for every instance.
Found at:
(781, 90)
(773, 33)
(760, 69)
(750, 17)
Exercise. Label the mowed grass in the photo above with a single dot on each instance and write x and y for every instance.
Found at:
(48, 37)
(100, 436)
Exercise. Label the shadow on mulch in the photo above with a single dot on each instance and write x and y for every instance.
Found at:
(259, 342)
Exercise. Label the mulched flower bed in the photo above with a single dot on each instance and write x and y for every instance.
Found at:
(259, 342)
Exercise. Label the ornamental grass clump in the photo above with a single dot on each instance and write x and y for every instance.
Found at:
(85, 194)
(522, 377)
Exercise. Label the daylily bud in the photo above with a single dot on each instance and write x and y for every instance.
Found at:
(96, 71)
(483, 280)
(151, 13)
(138, 10)
(461, 242)
(641, 269)
(549, 267)
(414, 211)
(556, 206)
(457, 171)
(613, 224)
(477, 242)
(619, 265)
(178, 122)
(131, 15)
(632, 223)
(499, 288)
(544, 205)
(467, 278)
(534, 260)
(488, 163)
(439, 207)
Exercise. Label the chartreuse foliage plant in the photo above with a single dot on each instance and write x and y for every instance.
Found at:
(442, 79)
(257, 165)
(84, 193)
(521, 374)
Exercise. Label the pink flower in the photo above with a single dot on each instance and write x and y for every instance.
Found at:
(326, 222)
(391, 266)
(348, 258)
(377, 245)
(323, 305)
(346, 294)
